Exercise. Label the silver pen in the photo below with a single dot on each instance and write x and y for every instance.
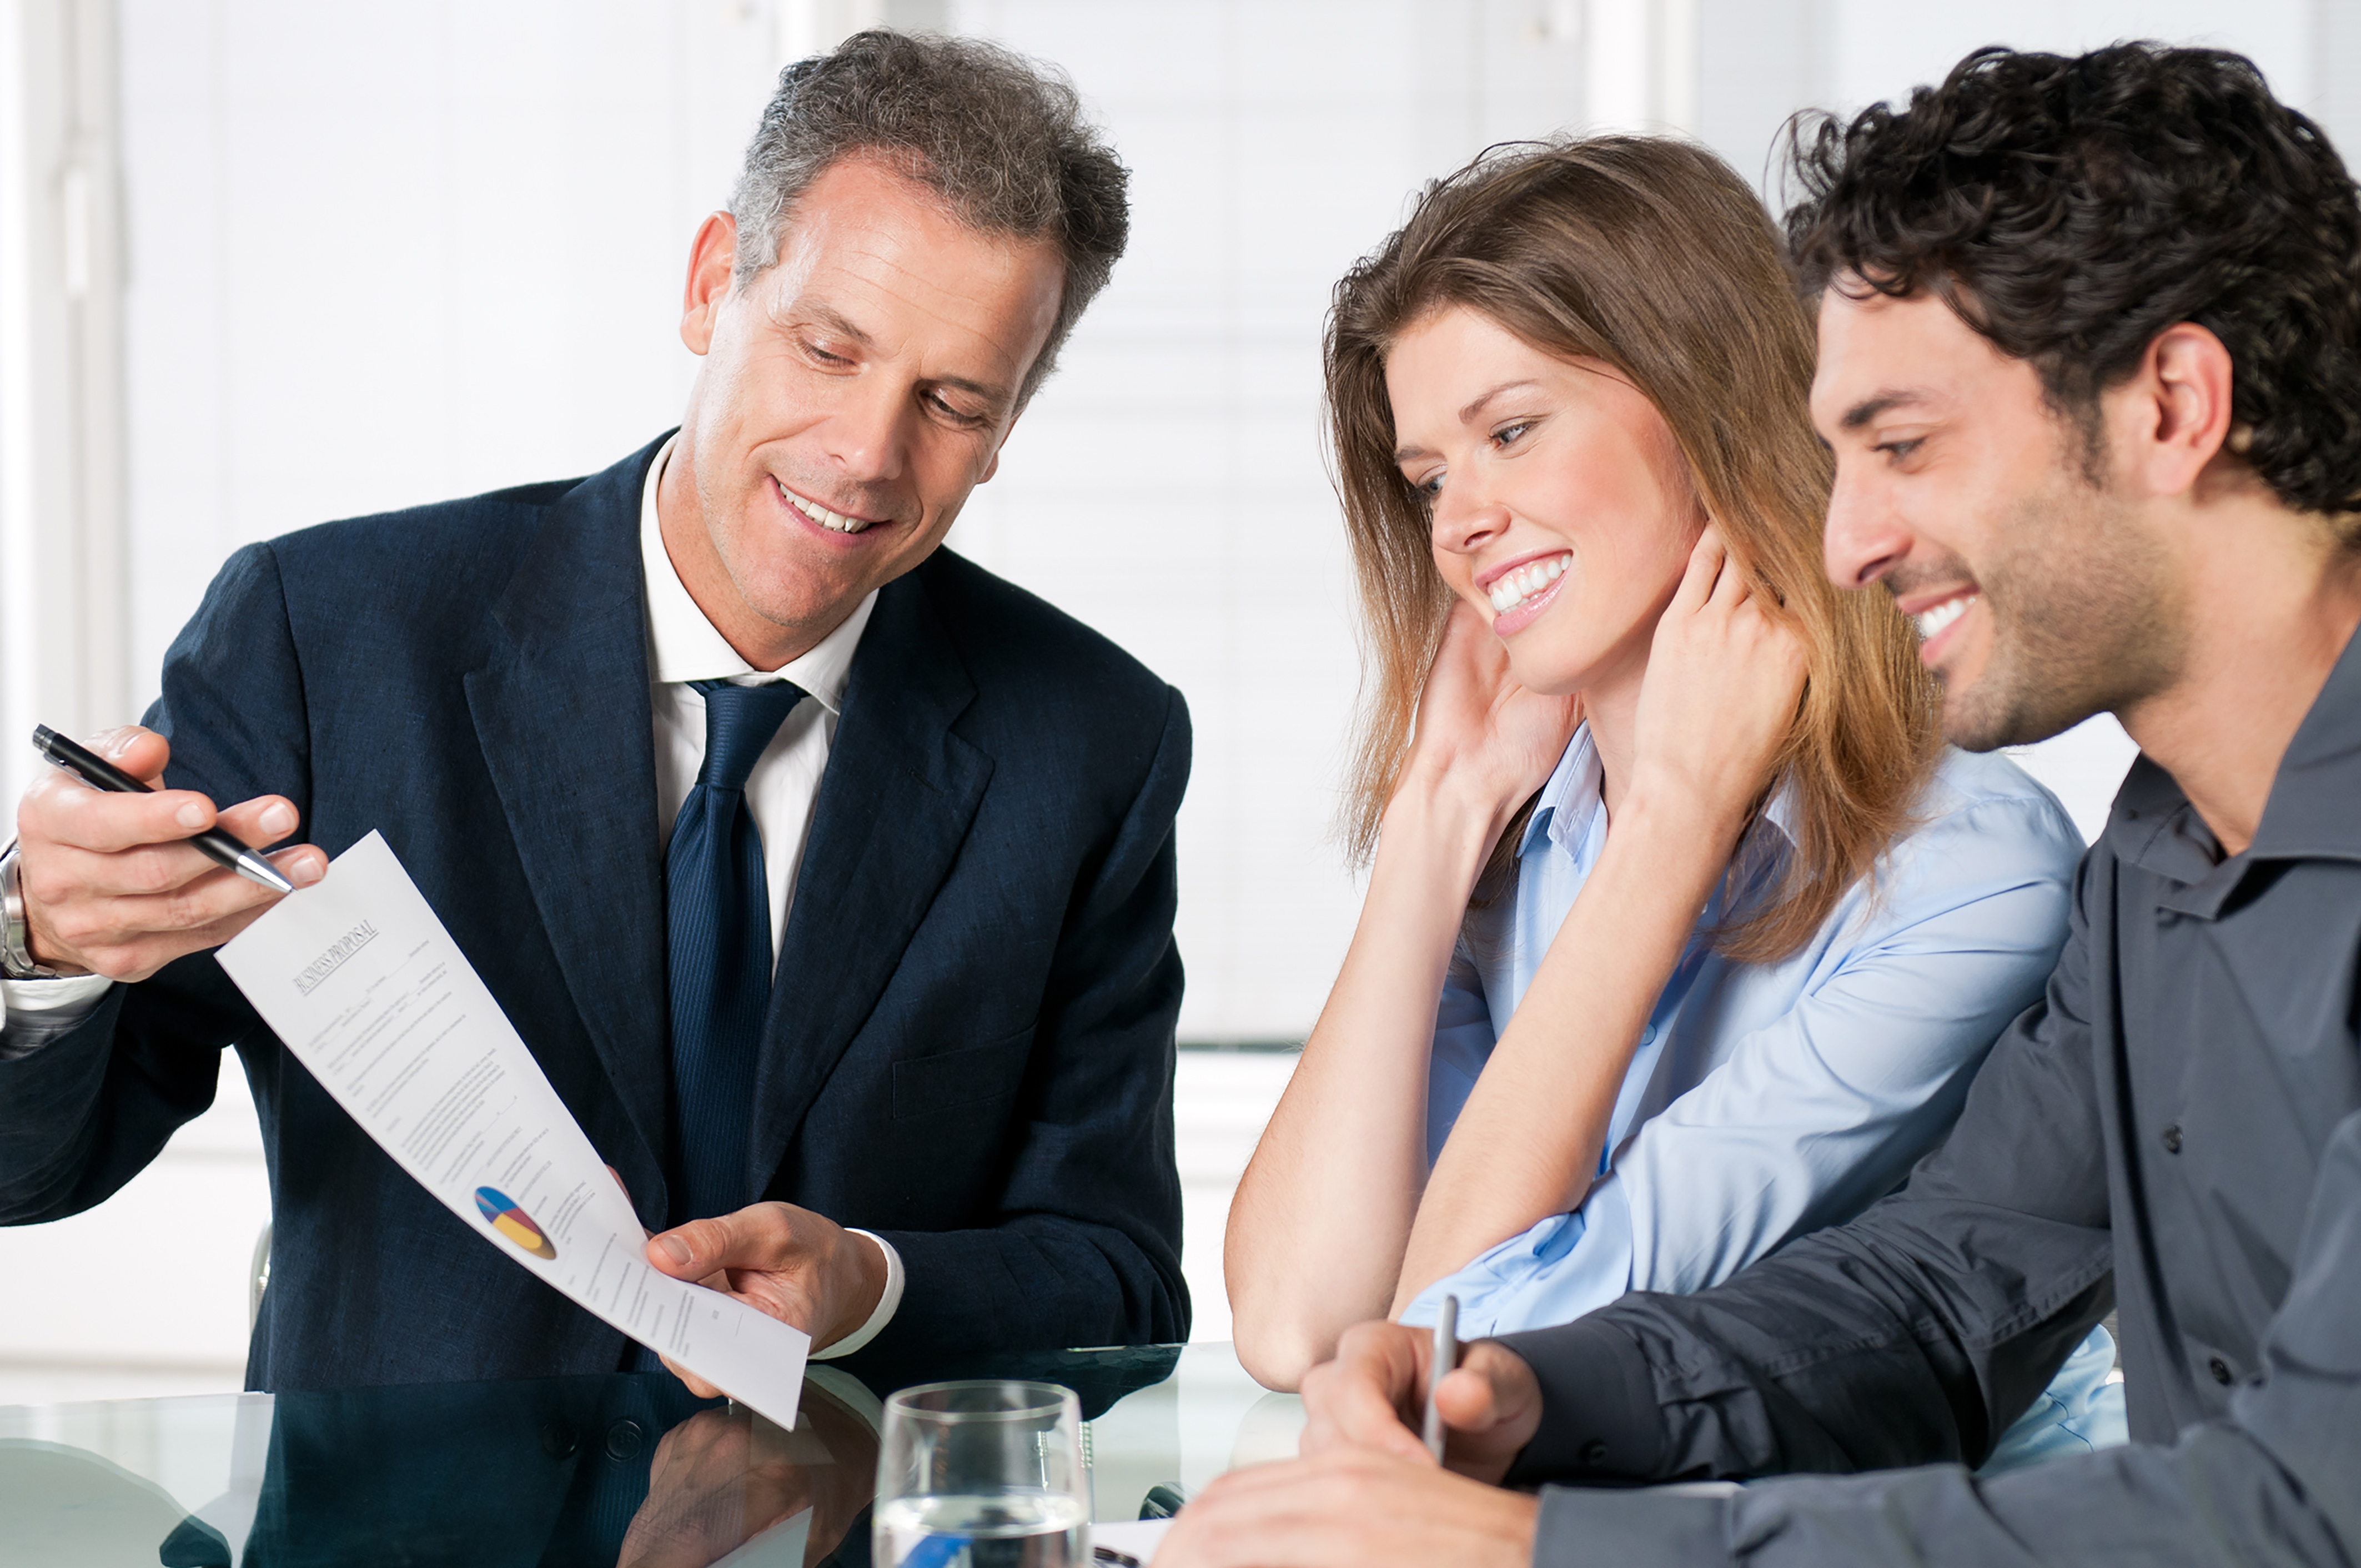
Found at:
(1441, 1360)
(99, 773)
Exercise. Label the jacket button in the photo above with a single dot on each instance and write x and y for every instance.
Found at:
(2221, 1370)
(623, 1440)
(1593, 1452)
(557, 1438)
(2172, 1138)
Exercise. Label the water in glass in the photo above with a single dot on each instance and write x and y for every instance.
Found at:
(1012, 1529)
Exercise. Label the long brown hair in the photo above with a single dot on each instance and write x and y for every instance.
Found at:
(1652, 255)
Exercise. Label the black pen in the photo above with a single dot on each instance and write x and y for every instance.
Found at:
(99, 773)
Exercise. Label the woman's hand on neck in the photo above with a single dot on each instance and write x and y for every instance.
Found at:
(1702, 730)
(1484, 744)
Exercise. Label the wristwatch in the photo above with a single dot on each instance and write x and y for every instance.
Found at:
(15, 947)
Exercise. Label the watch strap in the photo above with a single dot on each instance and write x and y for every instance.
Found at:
(16, 938)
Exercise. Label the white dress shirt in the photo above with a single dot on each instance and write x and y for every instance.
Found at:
(683, 646)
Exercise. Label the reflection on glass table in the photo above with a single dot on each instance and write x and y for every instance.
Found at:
(622, 1470)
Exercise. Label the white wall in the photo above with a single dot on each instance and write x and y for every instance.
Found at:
(1761, 60)
(385, 253)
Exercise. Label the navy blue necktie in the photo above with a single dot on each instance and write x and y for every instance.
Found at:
(718, 925)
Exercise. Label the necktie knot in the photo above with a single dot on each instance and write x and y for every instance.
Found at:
(739, 724)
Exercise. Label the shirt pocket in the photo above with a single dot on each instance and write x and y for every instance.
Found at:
(969, 1076)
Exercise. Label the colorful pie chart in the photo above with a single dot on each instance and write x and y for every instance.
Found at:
(512, 1221)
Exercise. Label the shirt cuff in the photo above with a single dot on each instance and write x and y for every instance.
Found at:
(887, 1304)
(35, 1012)
(1668, 1525)
(1600, 1419)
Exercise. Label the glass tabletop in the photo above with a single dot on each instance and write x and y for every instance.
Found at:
(625, 1469)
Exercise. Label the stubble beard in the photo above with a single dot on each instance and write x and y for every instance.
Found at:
(2084, 619)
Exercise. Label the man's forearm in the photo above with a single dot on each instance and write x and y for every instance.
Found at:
(49, 1108)
(35, 1012)
(86, 1112)
(1038, 1283)
(2216, 1497)
(1840, 1353)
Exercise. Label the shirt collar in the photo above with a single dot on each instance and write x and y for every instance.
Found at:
(2308, 813)
(683, 646)
(2310, 810)
(1574, 794)
(1568, 801)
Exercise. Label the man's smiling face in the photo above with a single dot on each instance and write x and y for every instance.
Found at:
(850, 399)
(2040, 598)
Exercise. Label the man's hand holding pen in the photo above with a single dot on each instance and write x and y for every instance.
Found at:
(1372, 1395)
(1366, 1493)
(112, 885)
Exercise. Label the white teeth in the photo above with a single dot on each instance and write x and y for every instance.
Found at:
(835, 522)
(1932, 622)
(1515, 587)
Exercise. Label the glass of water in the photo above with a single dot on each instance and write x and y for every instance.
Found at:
(982, 1474)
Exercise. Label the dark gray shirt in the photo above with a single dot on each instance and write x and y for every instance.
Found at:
(2175, 1128)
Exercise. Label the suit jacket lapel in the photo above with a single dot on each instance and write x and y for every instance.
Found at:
(894, 806)
(562, 709)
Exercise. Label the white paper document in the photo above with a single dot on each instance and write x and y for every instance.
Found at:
(1138, 1541)
(366, 987)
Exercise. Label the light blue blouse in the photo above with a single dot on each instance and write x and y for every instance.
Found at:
(1766, 1100)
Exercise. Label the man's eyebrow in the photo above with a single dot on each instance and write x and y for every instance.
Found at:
(835, 321)
(1868, 409)
(831, 318)
(998, 397)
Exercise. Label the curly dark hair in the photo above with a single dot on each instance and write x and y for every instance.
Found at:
(2072, 209)
(999, 137)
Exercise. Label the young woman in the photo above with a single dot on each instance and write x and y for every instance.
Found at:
(1684, 933)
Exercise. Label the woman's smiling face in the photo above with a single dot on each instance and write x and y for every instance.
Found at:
(1559, 503)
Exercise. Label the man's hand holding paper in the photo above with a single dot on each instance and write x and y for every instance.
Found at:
(800, 1267)
(369, 992)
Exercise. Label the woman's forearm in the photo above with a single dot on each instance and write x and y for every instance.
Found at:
(1318, 1225)
(1528, 1141)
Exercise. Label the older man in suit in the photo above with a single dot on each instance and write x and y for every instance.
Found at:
(828, 878)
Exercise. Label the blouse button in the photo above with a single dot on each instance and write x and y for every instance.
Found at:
(1595, 1451)
(2172, 1138)
(1648, 1036)
(2221, 1370)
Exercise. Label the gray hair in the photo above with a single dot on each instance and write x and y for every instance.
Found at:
(999, 137)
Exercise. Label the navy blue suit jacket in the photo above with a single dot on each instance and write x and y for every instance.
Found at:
(970, 1044)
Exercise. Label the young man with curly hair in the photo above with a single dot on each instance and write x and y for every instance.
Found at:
(2091, 366)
